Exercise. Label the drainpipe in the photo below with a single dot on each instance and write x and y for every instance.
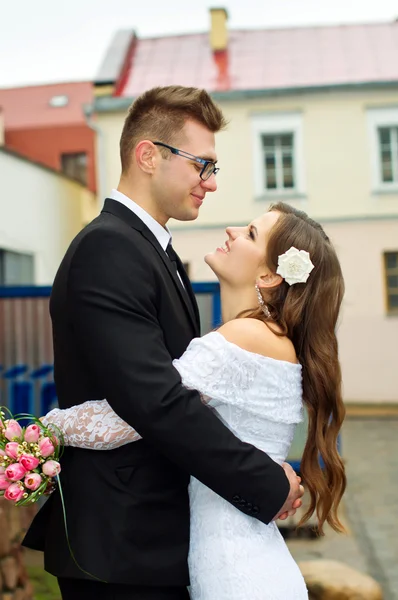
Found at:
(102, 190)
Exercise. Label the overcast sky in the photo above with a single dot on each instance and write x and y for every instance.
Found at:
(48, 41)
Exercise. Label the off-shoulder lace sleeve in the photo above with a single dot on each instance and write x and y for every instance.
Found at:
(92, 425)
(228, 374)
(200, 364)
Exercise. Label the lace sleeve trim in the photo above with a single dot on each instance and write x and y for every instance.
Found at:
(92, 425)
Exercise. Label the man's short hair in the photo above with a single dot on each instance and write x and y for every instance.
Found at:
(160, 114)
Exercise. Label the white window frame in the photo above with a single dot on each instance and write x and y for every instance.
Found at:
(277, 123)
(390, 310)
(21, 273)
(377, 118)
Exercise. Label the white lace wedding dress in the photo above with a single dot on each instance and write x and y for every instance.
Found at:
(232, 556)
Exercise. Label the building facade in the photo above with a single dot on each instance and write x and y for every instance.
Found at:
(313, 121)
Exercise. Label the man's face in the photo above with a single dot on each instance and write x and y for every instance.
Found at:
(177, 188)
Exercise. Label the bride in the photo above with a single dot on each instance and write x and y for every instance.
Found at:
(281, 290)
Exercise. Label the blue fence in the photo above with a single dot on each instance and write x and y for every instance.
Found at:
(26, 355)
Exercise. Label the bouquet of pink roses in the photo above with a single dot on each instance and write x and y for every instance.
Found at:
(29, 458)
(29, 463)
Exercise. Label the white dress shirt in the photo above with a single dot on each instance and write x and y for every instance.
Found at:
(162, 234)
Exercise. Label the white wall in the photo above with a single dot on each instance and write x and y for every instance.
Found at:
(40, 212)
(368, 335)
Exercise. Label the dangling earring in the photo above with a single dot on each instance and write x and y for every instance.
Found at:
(261, 302)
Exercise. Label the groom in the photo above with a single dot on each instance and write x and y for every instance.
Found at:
(122, 309)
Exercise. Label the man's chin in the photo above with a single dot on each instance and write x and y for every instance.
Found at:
(190, 215)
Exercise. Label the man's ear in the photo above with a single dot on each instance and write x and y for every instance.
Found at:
(270, 280)
(146, 156)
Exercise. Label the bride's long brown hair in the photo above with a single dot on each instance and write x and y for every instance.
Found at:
(307, 314)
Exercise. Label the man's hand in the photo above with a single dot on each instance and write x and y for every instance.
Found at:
(293, 501)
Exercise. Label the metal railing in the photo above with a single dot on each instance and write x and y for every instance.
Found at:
(26, 349)
(26, 355)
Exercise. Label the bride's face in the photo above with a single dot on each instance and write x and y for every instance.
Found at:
(241, 261)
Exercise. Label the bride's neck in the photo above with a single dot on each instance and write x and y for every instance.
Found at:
(235, 301)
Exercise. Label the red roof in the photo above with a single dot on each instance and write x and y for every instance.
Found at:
(268, 59)
(27, 107)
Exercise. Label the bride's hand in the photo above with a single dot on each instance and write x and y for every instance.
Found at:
(293, 501)
(296, 504)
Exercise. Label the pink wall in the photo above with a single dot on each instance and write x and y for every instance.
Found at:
(46, 144)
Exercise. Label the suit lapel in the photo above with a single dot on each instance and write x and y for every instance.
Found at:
(187, 296)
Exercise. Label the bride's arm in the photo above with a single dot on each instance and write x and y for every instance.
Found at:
(92, 425)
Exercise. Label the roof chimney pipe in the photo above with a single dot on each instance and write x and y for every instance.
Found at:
(218, 31)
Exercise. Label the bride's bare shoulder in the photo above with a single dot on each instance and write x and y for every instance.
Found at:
(255, 336)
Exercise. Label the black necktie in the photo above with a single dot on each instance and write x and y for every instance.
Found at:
(172, 256)
(171, 253)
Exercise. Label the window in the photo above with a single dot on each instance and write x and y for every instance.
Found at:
(16, 268)
(59, 101)
(388, 150)
(278, 156)
(391, 275)
(278, 153)
(75, 166)
(383, 131)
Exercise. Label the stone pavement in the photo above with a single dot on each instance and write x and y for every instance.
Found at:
(370, 511)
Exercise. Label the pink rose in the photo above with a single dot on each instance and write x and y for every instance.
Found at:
(46, 448)
(32, 434)
(29, 462)
(2, 470)
(33, 481)
(13, 430)
(12, 450)
(14, 492)
(4, 482)
(51, 468)
(15, 472)
(2, 453)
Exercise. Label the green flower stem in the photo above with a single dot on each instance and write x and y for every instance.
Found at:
(67, 535)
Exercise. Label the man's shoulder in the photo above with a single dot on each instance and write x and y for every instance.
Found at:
(102, 240)
(107, 222)
(105, 229)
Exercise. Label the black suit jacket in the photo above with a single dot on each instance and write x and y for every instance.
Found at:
(120, 316)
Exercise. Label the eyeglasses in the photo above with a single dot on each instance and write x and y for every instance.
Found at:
(209, 167)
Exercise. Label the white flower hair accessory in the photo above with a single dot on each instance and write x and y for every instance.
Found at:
(294, 266)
